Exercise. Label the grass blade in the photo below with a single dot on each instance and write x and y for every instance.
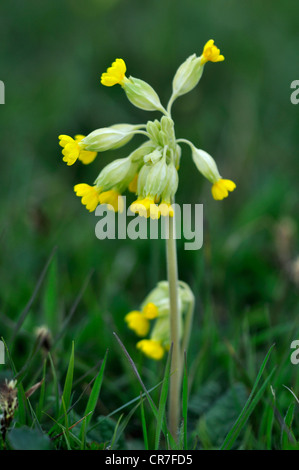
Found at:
(249, 405)
(143, 422)
(94, 396)
(67, 391)
(163, 400)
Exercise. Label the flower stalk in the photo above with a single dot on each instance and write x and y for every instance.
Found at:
(175, 328)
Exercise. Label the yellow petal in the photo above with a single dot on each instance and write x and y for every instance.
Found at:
(150, 311)
(151, 348)
(221, 188)
(86, 157)
(133, 185)
(138, 323)
(211, 53)
(89, 194)
(115, 74)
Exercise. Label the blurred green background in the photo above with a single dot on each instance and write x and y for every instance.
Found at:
(245, 277)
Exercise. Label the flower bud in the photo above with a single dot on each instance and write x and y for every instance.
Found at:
(162, 132)
(108, 138)
(187, 76)
(153, 157)
(142, 95)
(138, 155)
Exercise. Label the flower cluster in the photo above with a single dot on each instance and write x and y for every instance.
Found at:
(150, 171)
(156, 309)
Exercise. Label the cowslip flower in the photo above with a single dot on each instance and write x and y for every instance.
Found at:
(140, 93)
(74, 150)
(211, 53)
(89, 195)
(190, 72)
(112, 199)
(207, 166)
(156, 309)
(92, 197)
(138, 321)
(151, 348)
(115, 74)
(221, 188)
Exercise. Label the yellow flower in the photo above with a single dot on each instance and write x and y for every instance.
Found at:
(89, 194)
(133, 185)
(147, 208)
(142, 206)
(85, 156)
(211, 53)
(111, 198)
(138, 322)
(221, 188)
(115, 74)
(151, 348)
(150, 311)
(166, 209)
(72, 150)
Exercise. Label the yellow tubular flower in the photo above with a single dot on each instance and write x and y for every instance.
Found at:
(150, 311)
(115, 74)
(72, 150)
(151, 348)
(89, 194)
(133, 185)
(166, 209)
(221, 188)
(85, 156)
(211, 53)
(142, 207)
(138, 322)
(111, 198)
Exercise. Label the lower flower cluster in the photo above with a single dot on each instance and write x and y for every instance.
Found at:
(156, 310)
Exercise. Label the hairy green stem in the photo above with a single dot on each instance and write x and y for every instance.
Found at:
(175, 319)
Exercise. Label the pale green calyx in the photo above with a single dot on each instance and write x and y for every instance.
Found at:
(156, 179)
(142, 95)
(171, 185)
(118, 173)
(205, 164)
(187, 76)
(108, 138)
